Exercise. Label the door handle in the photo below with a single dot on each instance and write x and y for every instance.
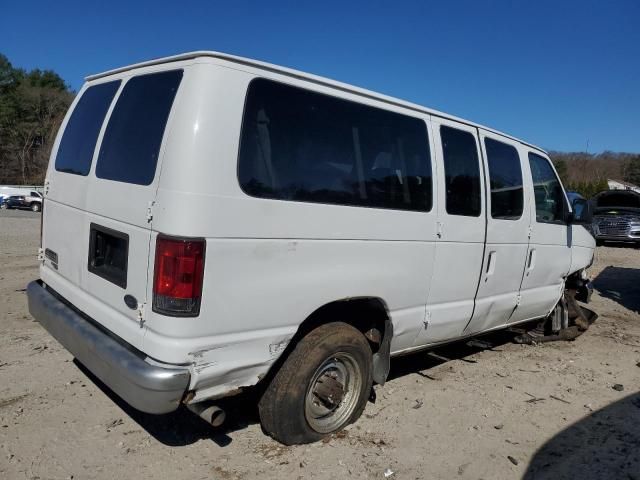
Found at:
(531, 262)
(491, 263)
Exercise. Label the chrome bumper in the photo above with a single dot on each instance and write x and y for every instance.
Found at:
(147, 387)
(618, 238)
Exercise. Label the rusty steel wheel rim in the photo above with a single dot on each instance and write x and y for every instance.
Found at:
(332, 394)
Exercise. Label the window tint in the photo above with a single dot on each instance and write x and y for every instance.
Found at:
(550, 201)
(131, 143)
(305, 146)
(505, 176)
(81, 133)
(462, 172)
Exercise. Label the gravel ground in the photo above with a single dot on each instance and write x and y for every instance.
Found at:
(559, 410)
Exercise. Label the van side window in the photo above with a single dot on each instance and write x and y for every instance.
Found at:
(462, 172)
(305, 146)
(550, 199)
(505, 176)
(131, 143)
(81, 133)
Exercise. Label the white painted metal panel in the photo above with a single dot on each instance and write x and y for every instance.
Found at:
(504, 259)
(458, 261)
(547, 265)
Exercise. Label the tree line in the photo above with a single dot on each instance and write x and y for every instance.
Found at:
(33, 104)
(587, 173)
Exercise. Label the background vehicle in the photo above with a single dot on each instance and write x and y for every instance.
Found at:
(274, 228)
(616, 216)
(32, 201)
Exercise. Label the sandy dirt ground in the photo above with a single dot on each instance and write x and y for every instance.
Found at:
(559, 410)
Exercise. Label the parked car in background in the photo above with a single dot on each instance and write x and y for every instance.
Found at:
(33, 202)
(12, 201)
(616, 216)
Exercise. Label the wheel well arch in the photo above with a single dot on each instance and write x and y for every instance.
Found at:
(370, 315)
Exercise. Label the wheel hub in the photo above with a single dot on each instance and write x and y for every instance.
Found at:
(329, 389)
(332, 394)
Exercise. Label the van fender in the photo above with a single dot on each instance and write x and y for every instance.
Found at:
(382, 358)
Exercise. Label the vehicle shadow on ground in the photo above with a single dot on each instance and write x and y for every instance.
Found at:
(621, 285)
(182, 427)
(422, 362)
(603, 445)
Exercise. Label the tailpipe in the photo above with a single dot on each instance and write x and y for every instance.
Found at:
(211, 414)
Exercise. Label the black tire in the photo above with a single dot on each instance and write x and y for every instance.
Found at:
(35, 207)
(284, 405)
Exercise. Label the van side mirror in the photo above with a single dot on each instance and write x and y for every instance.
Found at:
(582, 211)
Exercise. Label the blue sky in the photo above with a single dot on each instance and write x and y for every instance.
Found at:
(556, 73)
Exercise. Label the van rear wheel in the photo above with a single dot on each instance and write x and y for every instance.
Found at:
(321, 387)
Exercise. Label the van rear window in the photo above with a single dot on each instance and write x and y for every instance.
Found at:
(81, 133)
(131, 143)
(304, 146)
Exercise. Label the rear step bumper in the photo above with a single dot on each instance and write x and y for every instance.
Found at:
(147, 387)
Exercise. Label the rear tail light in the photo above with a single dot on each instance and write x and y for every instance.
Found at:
(177, 282)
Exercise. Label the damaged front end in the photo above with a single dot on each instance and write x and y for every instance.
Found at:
(569, 319)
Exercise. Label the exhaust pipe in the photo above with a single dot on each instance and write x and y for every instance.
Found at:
(211, 414)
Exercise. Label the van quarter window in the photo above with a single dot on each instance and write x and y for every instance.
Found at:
(462, 172)
(131, 143)
(548, 191)
(505, 175)
(305, 146)
(79, 139)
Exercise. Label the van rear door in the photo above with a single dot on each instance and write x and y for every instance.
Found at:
(98, 220)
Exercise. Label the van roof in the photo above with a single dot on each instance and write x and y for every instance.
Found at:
(308, 77)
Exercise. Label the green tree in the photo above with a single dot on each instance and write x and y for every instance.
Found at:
(32, 105)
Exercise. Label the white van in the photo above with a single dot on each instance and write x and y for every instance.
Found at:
(214, 223)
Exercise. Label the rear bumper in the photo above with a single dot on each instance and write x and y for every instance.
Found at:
(148, 387)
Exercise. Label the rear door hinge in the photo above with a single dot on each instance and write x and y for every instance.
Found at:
(141, 314)
(529, 231)
(45, 190)
(518, 299)
(41, 255)
(150, 211)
